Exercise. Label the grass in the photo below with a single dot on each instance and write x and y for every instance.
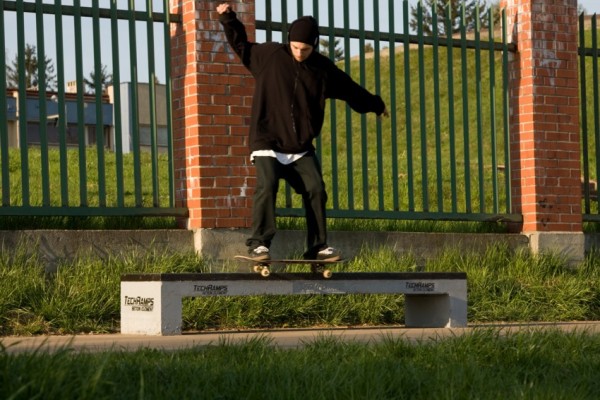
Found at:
(484, 364)
(83, 294)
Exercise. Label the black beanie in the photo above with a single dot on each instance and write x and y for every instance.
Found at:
(304, 30)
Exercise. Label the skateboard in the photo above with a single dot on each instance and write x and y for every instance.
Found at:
(264, 267)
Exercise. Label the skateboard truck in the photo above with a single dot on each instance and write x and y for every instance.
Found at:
(264, 267)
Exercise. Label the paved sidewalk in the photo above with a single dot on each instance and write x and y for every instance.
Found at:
(284, 338)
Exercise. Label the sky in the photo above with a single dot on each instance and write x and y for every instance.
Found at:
(591, 6)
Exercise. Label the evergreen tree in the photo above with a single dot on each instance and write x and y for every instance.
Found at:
(452, 8)
(31, 70)
(338, 54)
(105, 80)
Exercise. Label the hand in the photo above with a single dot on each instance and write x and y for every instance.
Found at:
(385, 113)
(223, 8)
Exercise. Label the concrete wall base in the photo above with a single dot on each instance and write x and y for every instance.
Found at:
(54, 246)
(569, 245)
(225, 243)
(222, 244)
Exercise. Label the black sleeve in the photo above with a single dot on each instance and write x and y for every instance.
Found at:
(235, 32)
(341, 86)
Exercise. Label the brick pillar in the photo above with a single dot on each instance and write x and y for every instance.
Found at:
(544, 123)
(212, 95)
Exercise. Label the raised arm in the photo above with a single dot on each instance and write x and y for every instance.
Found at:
(235, 32)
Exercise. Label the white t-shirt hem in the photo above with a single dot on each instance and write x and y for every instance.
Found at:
(283, 158)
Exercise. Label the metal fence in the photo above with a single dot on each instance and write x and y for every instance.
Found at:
(100, 132)
(442, 154)
(590, 115)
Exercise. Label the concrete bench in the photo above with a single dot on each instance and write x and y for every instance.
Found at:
(151, 303)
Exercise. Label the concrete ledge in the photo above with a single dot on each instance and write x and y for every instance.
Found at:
(151, 304)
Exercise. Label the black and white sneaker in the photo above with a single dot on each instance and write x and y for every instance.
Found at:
(329, 254)
(260, 253)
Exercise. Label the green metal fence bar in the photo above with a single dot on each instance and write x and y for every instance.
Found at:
(333, 117)
(492, 100)
(363, 117)
(378, 128)
(284, 33)
(98, 89)
(479, 113)
(118, 120)
(22, 104)
(407, 98)
(422, 111)
(505, 103)
(319, 140)
(152, 104)
(83, 199)
(392, 111)
(284, 17)
(43, 114)
(437, 112)
(584, 116)
(135, 133)
(60, 102)
(4, 161)
(451, 118)
(269, 20)
(169, 88)
(465, 108)
(349, 141)
(595, 91)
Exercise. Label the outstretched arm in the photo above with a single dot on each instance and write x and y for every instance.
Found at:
(341, 86)
(235, 32)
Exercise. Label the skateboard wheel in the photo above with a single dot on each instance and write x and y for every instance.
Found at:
(265, 272)
(327, 274)
(257, 268)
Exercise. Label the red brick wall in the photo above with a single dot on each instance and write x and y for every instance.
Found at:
(212, 95)
(544, 114)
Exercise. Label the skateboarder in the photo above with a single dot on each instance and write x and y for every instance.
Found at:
(292, 82)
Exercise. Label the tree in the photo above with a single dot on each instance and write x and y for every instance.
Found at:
(31, 70)
(105, 80)
(338, 54)
(453, 9)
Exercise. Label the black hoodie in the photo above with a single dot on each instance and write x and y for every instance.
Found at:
(289, 97)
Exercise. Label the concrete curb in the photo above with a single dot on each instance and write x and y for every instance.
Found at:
(284, 338)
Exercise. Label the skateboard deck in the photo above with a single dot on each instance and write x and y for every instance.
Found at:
(316, 266)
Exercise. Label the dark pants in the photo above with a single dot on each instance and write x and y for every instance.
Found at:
(305, 177)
